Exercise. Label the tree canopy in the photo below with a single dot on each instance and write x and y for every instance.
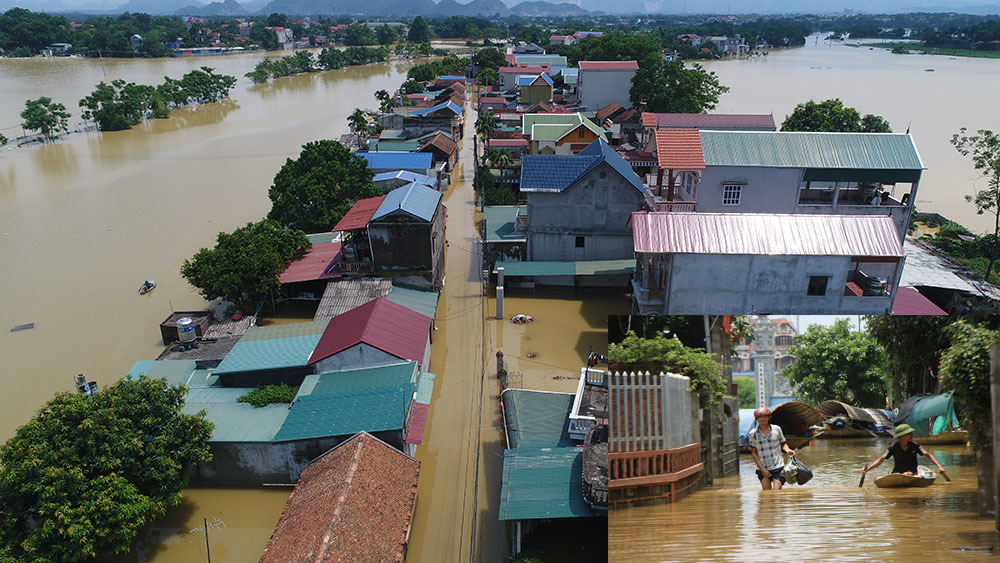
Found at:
(45, 116)
(913, 347)
(315, 190)
(244, 265)
(420, 31)
(965, 369)
(669, 87)
(84, 476)
(489, 58)
(833, 116)
(984, 148)
(836, 363)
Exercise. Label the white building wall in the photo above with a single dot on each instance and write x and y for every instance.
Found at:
(598, 88)
(362, 356)
(716, 284)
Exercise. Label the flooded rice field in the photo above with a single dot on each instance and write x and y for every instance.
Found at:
(827, 519)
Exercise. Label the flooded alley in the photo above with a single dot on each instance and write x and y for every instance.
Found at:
(827, 519)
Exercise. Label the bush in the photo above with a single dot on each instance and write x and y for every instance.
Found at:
(499, 195)
(952, 228)
(263, 396)
(484, 180)
(745, 387)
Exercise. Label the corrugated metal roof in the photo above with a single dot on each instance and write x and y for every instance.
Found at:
(423, 302)
(392, 328)
(340, 413)
(324, 238)
(582, 268)
(679, 149)
(407, 176)
(376, 145)
(910, 302)
(343, 295)
(537, 418)
(425, 388)
(235, 421)
(721, 121)
(866, 151)
(418, 422)
(316, 264)
(415, 199)
(542, 483)
(552, 126)
(551, 60)
(359, 214)
(532, 79)
(500, 221)
(397, 160)
(767, 234)
(609, 155)
(176, 372)
(522, 70)
(277, 353)
(608, 65)
(289, 330)
(392, 375)
(449, 105)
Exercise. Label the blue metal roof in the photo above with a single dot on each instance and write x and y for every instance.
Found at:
(457, 109)
(527, 79)
(555, 173)
(398, 160)
(407, 176)
(452, 77)
(416, 199)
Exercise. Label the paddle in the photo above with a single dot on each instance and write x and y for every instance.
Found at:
(863, 474)
(946, 478)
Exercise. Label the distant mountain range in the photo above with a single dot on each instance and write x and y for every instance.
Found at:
(532, 8)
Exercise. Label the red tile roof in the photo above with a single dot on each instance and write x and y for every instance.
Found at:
(708, 121)
(493, 100)
(354, 503)
(608, 111)
(315, 265)
(359, 215)
(608, 65)
(442, 142)
(679, 149)
(390, 327)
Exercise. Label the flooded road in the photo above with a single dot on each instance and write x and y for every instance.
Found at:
(827, 519)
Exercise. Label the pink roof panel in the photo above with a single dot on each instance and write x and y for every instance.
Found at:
(909, 301)
(766, 234)
(381, 323)
(609, 65)
(708, 121)
(415, 433)
(359, 215)
(315, 265)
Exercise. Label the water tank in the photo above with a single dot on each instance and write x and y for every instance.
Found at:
(185, 330)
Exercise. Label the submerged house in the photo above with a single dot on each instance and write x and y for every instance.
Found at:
(406, 232)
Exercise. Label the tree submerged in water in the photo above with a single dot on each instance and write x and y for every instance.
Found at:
(84, 476)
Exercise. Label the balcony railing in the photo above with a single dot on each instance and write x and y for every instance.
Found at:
(656, 203)
(357, 267)
(653, 467)
(649, 299)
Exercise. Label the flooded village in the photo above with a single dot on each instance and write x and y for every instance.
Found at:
(428, 375)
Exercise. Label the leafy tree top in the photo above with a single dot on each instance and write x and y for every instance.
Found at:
(836, 363)
(965, 369)
(833, 116)
(669, 87)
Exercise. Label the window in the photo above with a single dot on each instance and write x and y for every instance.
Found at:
(731, 194)
(582, 132)
(817, 285)
(579, 242)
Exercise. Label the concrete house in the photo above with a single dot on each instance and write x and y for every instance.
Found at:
(562, 40)
(555, 62)
(745, 263)
(377, 333)
(407, 232)
(579, 205)
(559, 133)
(535, 89)
(418, 163)
(605, 82)
(444, 149)
(786, 172)
(446, 116)
(509, 74)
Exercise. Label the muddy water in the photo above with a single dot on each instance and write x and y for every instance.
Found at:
(932, 95)
(827, 519)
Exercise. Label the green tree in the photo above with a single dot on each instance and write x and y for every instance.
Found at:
(499, 195)
(670, 87)
(84, 476)
(745, 389)
(832, 115)
(358, 121)
(264, 37)
(913, 347)
(244, 265)
(489, 58)
(965, 369)
(314, 191)
(118, 105)
(386, 35)
(45, 116)
(984, 148)
(499, 159)
(277, 20)
(670, 355)
(836, 363)
(486, 123)
(420, 31)
(489, 77)
(359, 34)
(385, 103)
(3, 140)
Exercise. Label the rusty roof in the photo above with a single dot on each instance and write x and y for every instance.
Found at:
(442, 142)
(708, 121)
(359, 215)
(354, 503)
(766, 234)
(608, 111)
(316, 264)
(679, 149)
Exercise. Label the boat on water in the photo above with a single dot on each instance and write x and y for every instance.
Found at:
(924, 478)
(595, 468)
(147, 286)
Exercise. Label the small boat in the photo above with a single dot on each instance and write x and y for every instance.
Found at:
(924, 478)
(147, 286)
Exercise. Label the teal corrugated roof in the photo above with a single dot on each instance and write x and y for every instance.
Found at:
(235, 421)
(423, 302)
(176, 372)
(284, 330)
(542, 483)
(425, 388)
(582, 268)
(275, 353)
(367, 378)
(859, 151)
(375, 145)
(537, 418)
(500, 221)
(348, 412)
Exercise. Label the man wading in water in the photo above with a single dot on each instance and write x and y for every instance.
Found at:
(767, 441)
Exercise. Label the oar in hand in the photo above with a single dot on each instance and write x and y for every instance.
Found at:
(946, 478)
(863, 473)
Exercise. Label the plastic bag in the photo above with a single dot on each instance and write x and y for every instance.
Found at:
(789, 471)
(802, 474)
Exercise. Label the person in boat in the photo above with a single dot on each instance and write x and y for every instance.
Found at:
(767, 442)
(904, 452)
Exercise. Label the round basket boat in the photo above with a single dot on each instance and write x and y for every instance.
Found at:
(924, 478)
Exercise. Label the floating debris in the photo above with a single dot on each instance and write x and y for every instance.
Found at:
(19, 328)
(928, 70)
(522, 319)
(532, 354)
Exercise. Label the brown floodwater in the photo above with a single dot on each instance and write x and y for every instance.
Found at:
(827, 519)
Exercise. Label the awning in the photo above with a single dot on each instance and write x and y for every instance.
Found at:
(583, 268)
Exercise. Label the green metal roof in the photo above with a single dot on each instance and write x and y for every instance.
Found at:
(235, 421)
(285, 330)
(425, 388)
(500, 221)
(583, 268)
(355, 379)
(542, 483)
(879, 151)
(537, 418)
(375, 145)
(551, 127)
(423, 302)
(275, 353)
(322, 238)
(176, 372)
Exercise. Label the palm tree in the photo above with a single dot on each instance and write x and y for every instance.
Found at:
(385, 101)
(485, 124)
(359, 124)
(498, 158)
